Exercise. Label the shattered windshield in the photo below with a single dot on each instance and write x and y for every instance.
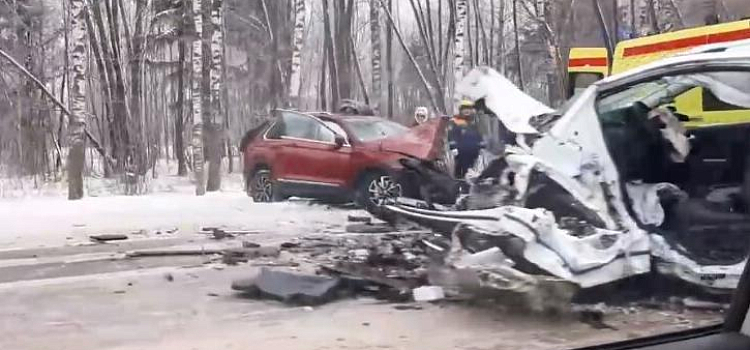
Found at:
(366, 174)
(642, 92)
(367, 130)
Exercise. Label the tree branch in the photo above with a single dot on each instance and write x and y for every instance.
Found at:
(57, 102)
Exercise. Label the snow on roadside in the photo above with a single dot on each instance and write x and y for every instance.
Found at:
(44, 217)
(95, 185)
(48, 221)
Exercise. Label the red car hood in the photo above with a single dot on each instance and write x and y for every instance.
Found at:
(423, 141)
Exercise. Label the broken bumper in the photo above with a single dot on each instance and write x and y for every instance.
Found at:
(535, 246)
(534, 242)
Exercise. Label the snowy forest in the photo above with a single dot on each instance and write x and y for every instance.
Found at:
(112, 88)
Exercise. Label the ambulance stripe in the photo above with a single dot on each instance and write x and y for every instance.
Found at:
(588, 62)
(686, 43)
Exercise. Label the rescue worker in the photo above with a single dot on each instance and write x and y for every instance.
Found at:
(421, 115)
(464, 139)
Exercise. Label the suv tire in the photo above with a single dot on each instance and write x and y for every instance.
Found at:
(375, 189)
(261, 188)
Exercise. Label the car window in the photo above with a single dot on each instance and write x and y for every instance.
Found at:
(335, 127)
(324, 134)
(629, 96)
(299, 126)
(580, 81)
(374, 129)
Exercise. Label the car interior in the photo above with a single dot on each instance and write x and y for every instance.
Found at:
(711, 197)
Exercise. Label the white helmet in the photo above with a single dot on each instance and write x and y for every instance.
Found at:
(421, 114)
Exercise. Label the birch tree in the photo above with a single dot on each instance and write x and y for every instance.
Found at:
(377, 82)
(217, 123)
(299, 36)
(197, 99)
(462, 7)
(77, 94)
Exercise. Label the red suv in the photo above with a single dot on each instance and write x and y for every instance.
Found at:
(334, 157)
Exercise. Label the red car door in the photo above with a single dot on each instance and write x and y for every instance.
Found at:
(313, 158)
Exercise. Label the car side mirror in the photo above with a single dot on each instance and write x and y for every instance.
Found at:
(339, 141)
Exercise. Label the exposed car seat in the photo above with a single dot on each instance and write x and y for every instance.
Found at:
(636, 144)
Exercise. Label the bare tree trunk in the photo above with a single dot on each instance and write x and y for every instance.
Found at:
(439, 49)
(501, 38)
(491, 50)
(470, 46)
(331, 55)
(179, 120)
(344, 12)
(217, 59)
(431, 59)
(295, 78)
(377, 83)
(121, 138)
(358, 70)
(197, 100)
(632, 20)
(103, 76)
(77, 93)
(481, 30)
(136, 82)
(225, 103)
(462, 8)
(606, 37)
(323, 85)
(425, 85)
(389, 62)
(518, 45)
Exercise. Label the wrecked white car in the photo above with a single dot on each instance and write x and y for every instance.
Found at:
(612, 185)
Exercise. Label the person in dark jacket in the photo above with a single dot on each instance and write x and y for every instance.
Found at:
(464, 139)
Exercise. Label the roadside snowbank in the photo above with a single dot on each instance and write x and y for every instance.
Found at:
(55, 220)
(42, 215)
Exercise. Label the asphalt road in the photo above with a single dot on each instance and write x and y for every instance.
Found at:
(89, 297)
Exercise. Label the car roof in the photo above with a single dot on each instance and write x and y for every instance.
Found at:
(334, 117)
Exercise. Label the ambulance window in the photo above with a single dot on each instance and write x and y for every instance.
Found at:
(580, 81)
(713, 104)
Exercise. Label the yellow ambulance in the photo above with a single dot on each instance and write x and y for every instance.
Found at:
(586, 65)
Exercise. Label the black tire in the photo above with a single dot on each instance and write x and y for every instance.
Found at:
(261, 188)
(375, 189)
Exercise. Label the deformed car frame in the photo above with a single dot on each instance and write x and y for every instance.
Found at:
(565, 204)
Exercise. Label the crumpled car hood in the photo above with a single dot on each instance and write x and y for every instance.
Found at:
(423, 141)
(512, 106)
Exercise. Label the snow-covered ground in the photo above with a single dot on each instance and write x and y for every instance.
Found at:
(44, 217)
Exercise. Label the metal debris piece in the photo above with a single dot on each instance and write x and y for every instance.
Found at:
(291, 288)
(359, 218)
(233, 256)
(220, 233)
(246, 244)
(173, 252)
(369, 228)
(370, 275)
(408, 307)
(108, 237)
(289, 245)
(428, 293)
